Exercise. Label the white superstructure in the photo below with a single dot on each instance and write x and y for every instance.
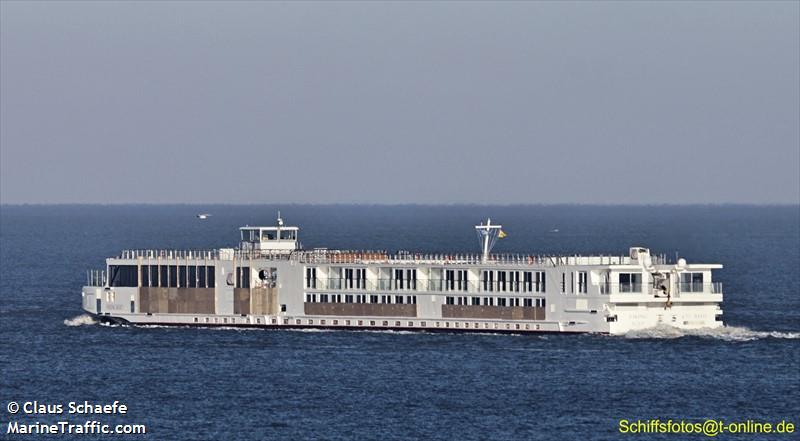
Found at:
(270, 281)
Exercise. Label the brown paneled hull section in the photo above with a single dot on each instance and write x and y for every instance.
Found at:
(256, 301)
(177, 300)
(241, 301)
(493, 312)
(264, 301)
(360, 309)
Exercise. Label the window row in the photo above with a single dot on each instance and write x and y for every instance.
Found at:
(361, 298)
(582, 279)
(395, 323)
(496, 301)
(164, 276)
(532, 281)
(440, 280)
(178, 276)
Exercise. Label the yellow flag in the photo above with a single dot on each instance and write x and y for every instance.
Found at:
(502, 234)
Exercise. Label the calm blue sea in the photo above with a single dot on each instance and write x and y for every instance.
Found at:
(207, 384)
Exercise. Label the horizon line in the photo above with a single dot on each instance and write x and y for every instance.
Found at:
(412, 204)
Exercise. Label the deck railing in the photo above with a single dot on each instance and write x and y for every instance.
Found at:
(683, 288)
(695, 287)
(96, 278)
(383, 257)
(169, 254)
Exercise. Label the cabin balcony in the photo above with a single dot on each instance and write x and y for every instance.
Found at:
(685, 293)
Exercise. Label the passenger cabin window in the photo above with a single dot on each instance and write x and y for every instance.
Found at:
(243, 277)
(311, 277)
(405, 279)
(123, 275)
(583, 282)
(630, 282)
(355, 278)
(488, 280)
(456, 280)
(540, 285)
(178, 276)
(691, 282)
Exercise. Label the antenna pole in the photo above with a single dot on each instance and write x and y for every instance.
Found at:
(486, 239)
(487, 235)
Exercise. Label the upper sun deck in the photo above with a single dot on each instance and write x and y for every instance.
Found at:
(280, 242)
(347, 257)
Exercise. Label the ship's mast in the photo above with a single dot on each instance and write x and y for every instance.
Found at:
(487, 235)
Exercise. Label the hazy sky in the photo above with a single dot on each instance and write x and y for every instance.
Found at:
(540, 102)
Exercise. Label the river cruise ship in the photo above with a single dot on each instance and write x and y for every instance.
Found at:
(270, 281)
